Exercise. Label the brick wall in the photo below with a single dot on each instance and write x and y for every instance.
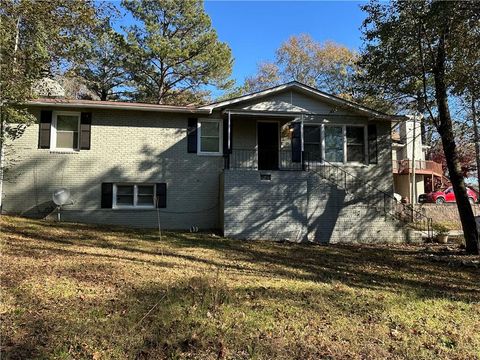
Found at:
(126, 146)
(147, 147)
(300, 206)
(445, 213)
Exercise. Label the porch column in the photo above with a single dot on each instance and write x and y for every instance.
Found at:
(227, 140)
(229, 133)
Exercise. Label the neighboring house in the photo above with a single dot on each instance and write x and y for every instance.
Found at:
(406, 146)
(290, 162)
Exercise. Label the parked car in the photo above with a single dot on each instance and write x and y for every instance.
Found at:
(446, 196)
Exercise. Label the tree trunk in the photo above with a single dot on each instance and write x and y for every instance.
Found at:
(103, 95)
(445, 129)
(2, 156)
(476, 138)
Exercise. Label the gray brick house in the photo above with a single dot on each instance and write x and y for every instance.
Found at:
(290, 162)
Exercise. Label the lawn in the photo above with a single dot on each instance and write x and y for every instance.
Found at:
(72, 291)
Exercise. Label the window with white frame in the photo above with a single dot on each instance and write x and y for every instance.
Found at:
(133, 195)
(210, 137)
(312, 142)
(65, 131)
(355, 143)
(334, 143)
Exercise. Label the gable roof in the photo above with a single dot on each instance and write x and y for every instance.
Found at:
(308, 90)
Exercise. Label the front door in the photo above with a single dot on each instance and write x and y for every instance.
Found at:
(267, 133)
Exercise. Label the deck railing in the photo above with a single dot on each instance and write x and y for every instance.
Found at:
(406, 166)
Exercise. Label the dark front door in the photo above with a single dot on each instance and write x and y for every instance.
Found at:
(267, 133)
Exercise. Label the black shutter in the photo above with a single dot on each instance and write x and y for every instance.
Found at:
(192, 135)
(372, 144)
(107, 195)
(297, 142)
(161, 194)
(226, 150)
(44, 129)
(85, 130)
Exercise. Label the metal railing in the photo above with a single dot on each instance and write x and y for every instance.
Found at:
(371, 195)
(363, 191)
(252, 159)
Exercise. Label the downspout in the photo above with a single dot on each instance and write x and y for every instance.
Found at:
(301, 142)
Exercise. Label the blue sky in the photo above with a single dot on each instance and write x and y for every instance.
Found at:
(255, 29)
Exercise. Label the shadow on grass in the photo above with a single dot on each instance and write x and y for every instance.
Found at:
(369, 267)
(193, 315)
(189, 319)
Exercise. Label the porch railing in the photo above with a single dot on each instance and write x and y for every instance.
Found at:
(251, 159)
(406, 166)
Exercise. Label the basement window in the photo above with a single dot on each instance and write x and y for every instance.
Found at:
(133, 196)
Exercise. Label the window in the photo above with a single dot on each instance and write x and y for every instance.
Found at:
(339, 143)
(145, 195)
(65, 131)
(138, 196)
(334, 143)
(312, 142)
(356, 144)
(209, 135)
(125, 195)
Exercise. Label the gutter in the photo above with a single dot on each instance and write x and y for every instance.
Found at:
(148, 108)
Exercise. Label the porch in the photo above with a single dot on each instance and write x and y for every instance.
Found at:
(262, 141)
(291, 141)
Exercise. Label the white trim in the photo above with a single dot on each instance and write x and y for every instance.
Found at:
(229, 124)
(291, 114)
(135, 196)
(322, 136)
(53, 131)
(199, 138)
(344, 142)
(97, 104)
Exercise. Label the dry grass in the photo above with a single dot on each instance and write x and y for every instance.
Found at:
(73, 291)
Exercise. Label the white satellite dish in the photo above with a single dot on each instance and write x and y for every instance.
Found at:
(60, 196)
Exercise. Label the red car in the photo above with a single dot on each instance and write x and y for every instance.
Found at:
(448, 195)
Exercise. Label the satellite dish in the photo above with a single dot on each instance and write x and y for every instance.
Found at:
(61, 196)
